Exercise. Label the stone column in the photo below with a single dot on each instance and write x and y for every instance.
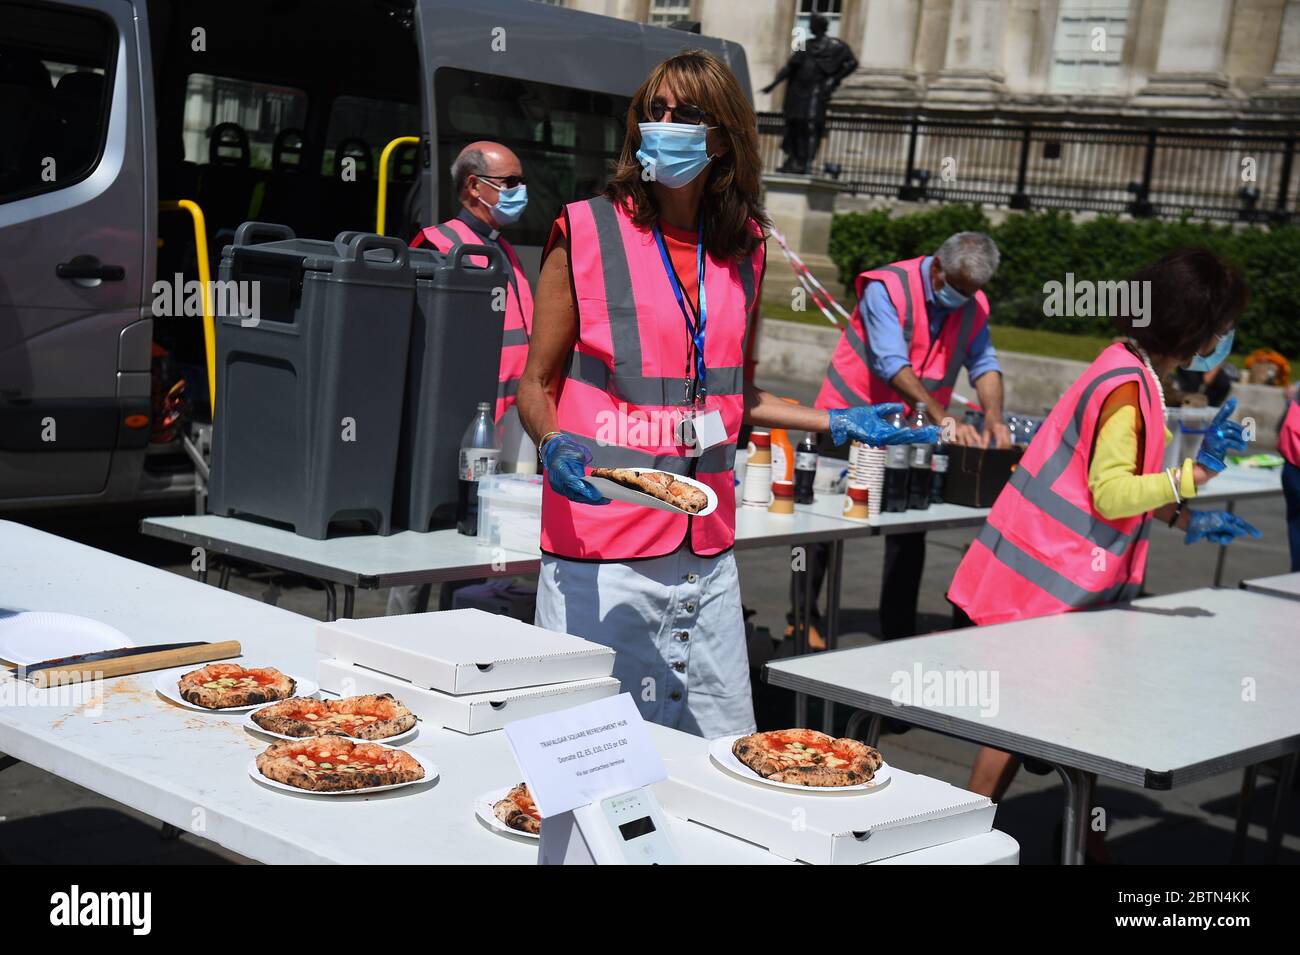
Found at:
(972, 70)
(1285, 78)
(1193, 38)
(885, 49)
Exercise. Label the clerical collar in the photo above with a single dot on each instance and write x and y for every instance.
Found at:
(477, 224)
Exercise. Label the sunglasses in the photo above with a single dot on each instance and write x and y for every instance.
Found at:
(509, 182)
(683, 113)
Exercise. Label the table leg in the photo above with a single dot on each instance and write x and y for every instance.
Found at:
(7, 761)
(1243, 814)
(331, 601)
(1223, 553)
(1074, 823)
(223, 579)
(1285, 780)
(873, 728)
(802, 620)
(830, 629)
(349, 597)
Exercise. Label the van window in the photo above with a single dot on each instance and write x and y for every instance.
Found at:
(259, 110)
(567, 140)
(56, 66)
(374, 122)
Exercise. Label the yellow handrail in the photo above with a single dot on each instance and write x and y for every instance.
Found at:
(205, 283)
(381, 212)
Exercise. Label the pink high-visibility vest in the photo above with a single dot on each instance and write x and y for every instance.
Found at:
(519, 303)
(849, 380)
(1288, 438)
(1044, 548)
(623, 393)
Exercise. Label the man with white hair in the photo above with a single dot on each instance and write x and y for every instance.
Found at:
(918, 322)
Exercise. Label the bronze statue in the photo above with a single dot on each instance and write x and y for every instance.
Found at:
(814, 73)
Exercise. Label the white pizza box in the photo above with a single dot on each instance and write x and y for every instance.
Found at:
(910, 813)
(468, 712)
(464, 651)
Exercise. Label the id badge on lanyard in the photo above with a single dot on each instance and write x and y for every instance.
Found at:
(697, 429)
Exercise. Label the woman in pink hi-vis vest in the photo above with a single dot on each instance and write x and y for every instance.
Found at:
(646, 303)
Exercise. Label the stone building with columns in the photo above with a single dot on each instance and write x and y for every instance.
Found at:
(1205, 59)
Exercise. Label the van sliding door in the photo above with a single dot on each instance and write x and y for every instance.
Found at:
(74, 350)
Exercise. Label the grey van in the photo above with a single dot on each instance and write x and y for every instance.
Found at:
(113, 110)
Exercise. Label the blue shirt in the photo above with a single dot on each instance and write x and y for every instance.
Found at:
(886, 348)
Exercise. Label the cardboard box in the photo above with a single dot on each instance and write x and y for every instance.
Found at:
(464, 651)
(976, 476)
(468, 713)
(912, 812)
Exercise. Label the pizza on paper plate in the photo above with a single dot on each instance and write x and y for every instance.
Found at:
(219, 685)
(807, 758)
(368, 717)
(518, 811)
(327, 764)
(660, 484)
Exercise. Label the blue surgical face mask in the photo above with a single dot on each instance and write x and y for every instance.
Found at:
(949, 297)
(509, 206)
(1208, 362)
(673, 153)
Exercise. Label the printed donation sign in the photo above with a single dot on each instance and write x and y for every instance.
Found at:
(579, 755)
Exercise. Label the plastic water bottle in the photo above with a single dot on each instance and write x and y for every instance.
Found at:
(480, 452)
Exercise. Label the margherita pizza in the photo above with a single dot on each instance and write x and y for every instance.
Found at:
(361, 717)
(807, 758)
(327, 764)
(658, 484)
(518, 811)
(220, 685)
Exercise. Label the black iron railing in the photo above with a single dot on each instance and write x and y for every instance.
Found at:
(1226, 174)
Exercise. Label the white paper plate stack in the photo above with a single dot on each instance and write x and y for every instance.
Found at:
(867, 469)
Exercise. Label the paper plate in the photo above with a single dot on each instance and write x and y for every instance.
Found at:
(430, 774)
(724, 759)
(32, 636)
(166, 685)
(618, 492)
(483, 809)
(251, 725)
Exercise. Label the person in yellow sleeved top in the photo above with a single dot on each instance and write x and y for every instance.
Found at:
(1195, 300)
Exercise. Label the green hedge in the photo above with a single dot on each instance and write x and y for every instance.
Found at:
(1044, 246)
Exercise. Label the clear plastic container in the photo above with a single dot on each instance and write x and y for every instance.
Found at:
(510, 512)
(1188, 428)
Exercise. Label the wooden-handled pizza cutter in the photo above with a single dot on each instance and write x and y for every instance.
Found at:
(111, 663)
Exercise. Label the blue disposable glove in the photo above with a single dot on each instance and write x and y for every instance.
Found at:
(870, 424)
(1217, 527)
(565, 462)
(1221, 437)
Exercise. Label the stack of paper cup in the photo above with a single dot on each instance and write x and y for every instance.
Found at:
(867, 469)
(756, 491)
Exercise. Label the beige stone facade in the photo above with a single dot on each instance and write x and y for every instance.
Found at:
(1197, 58)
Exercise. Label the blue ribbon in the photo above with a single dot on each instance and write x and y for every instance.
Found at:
(695, 329)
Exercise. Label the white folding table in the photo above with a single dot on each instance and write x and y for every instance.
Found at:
(189, 769)
(1283, 585)
(1157, 693)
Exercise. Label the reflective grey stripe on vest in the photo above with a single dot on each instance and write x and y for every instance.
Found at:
(958, 357)
(508, 388)
(907, 316)
(648, 391)
(839, 384)
(1043, 576)
(514, 336)
(616, 456)
(1037, 490)
(624, 335)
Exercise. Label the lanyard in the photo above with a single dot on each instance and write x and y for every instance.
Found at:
(694, 329)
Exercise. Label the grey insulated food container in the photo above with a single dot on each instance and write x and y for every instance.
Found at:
(309, 395)
(455, 356)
